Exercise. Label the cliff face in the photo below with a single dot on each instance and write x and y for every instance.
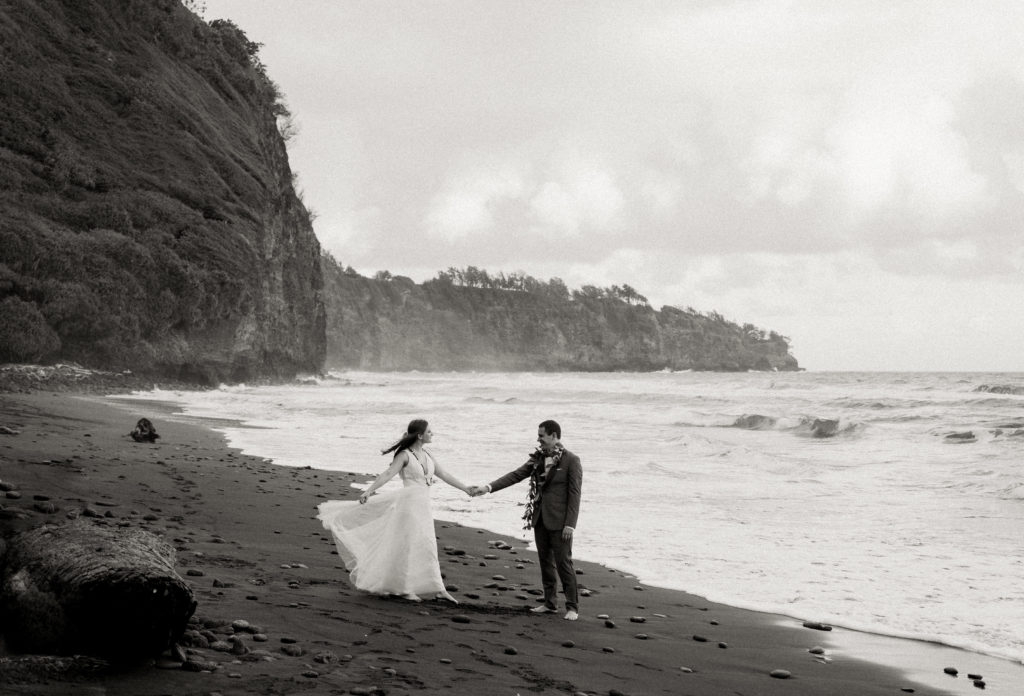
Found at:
(147, 214)
(396, 324)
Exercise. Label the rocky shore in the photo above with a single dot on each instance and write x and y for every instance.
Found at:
(276, 614)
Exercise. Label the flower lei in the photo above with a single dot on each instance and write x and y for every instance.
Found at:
(537, 479)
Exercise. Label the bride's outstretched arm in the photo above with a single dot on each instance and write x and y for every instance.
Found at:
(448, 478)
(400, 460)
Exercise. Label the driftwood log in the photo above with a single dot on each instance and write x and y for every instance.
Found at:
(81, 588)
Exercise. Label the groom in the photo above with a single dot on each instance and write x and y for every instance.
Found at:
(556, 479)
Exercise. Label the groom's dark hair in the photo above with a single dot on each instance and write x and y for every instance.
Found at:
(552, 428)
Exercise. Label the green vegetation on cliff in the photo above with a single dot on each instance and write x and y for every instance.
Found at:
(465, 319)
(148, 217)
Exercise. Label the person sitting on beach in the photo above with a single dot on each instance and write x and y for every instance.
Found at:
(387, 541)
(552, 510)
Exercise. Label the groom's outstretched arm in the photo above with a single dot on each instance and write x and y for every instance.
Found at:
(512, 477)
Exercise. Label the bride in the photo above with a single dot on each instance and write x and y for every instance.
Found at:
(387, 541)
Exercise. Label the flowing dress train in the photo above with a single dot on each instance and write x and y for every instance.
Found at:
(388, 543)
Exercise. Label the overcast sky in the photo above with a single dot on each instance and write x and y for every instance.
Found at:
(848, 173)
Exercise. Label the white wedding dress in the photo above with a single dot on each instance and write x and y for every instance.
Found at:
(388, 543)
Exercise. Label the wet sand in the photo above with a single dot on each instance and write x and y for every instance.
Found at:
(249, 545)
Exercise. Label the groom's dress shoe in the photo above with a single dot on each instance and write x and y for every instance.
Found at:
(571, 615)
(542, 610)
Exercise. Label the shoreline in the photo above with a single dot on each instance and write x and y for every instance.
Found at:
(246, 559)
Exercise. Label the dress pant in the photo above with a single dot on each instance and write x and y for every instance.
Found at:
(555, 558)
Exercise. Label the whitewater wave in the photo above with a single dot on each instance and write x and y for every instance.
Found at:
(1000, 389)
(809, 426)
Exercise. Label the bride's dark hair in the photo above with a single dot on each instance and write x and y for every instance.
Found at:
(416, 428)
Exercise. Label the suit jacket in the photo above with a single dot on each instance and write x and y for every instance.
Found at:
(559, 504)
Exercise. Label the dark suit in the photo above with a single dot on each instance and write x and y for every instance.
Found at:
(558, 507)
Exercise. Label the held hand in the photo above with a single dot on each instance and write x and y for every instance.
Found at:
(473, 491)
(364, 497)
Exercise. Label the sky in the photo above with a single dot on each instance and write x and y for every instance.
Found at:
(848, 173)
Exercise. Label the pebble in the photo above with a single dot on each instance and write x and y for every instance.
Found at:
(602, 616)
(568, 644)
(780, 674)
(311, 674)
(285, 639)
(951, 671)
(700, 639)
(974, 677)
(511, 651)
(293, 650)
(445, 661)
(194, 573)
(498, 577)
(390, 671)
(817, 650)
(979, 683)
(608, 650)
(907, 689)
(638, 619)
(460, 618)
(641, 636)
(686, 670)
(723, 646)
(240, 625)
(608, 623)
(325, 657)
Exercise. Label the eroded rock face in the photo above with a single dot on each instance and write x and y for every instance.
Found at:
(148, 217)
(81, 588)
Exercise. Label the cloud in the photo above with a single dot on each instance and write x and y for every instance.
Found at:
(580, 193)
(468, 203)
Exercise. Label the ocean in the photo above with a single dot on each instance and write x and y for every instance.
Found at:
(891, 503)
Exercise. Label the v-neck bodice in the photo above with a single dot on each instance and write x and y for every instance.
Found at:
(419, 471)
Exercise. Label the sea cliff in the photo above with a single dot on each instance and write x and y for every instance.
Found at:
(148, 218)
(468, 320)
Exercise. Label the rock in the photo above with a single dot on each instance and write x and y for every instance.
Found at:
(723, 646)
(817, 650)
(907, 689)
(638, 619)
(194, 665)
(293, 650)
(824, 427)
(951, 671)
(45, 507)
(979, 683)
(511, 651)
(608, 650)
(220, 646)
(7, 486)
(974, 677)
(238, 646)
(568, 644)
(260, 637)
(780, 674)
(325, 657)
(641, 636)
(686, 670)
(460, 618)
(962, 437)
(194, 573)
(445, 661)
(241, 625)
(700, 639)
(608, 623)
(817, 626)
(311, 674)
